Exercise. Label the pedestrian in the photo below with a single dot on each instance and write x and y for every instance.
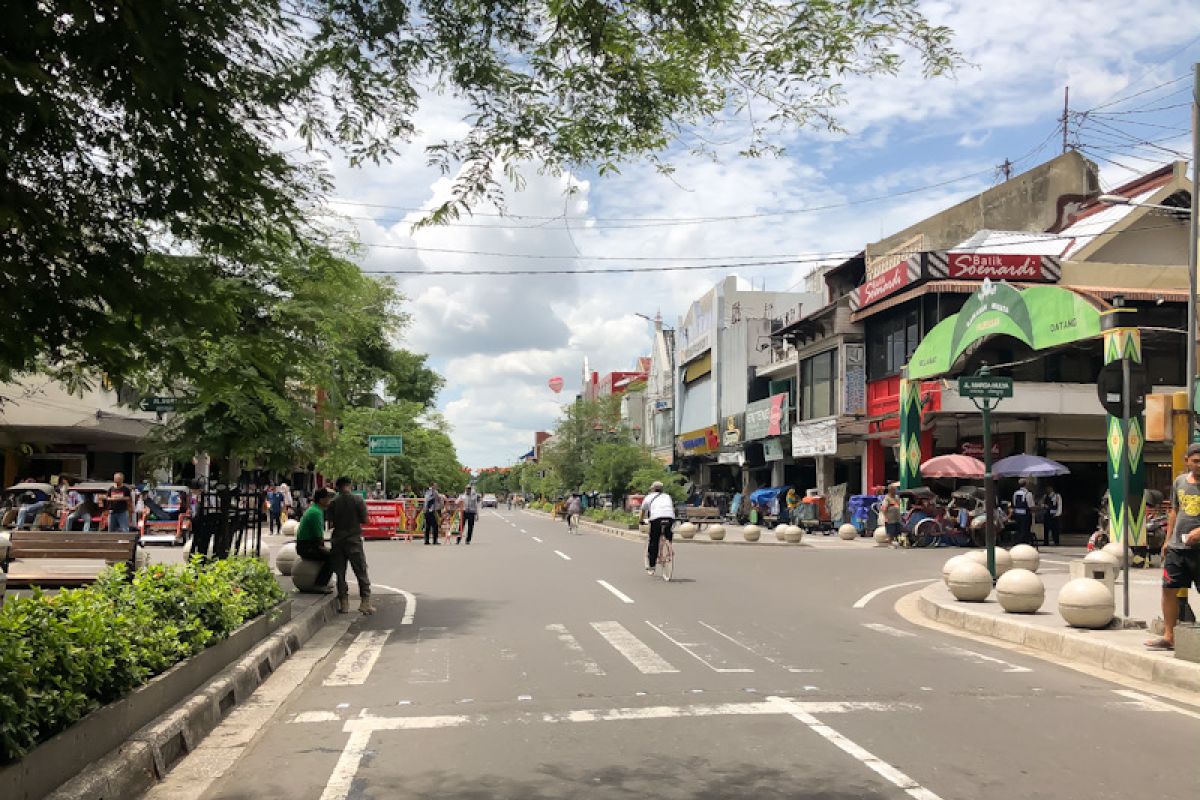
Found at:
(1051, 517)
(120, 501)
(288, 504)
(432, 507)
(273, 500)
(889, 508)
(1022, 511)
(348, 513)
(1181, 550)
(510, 501)
(310, 540)
(469, 501)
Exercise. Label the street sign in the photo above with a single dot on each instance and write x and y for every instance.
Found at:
(385, 445)
(985, 387)
(1109, 387)
(159, 404)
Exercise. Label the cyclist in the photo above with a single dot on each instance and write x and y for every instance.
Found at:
(659, 509)
(574, 509)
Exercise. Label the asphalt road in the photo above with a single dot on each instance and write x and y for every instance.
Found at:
(518, 674)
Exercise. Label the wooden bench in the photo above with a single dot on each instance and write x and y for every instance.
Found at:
(701, 513)
(53, 559)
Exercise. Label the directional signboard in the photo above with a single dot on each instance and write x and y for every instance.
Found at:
(159, 404)
(385, 445)
(985, 387)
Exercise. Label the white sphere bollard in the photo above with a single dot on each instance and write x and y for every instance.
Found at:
(286, 558)
(304, 574)
(1086, 603)
(1099, 557)
(289, 528)
(881, 536)
(780, 532)
(970, 582)
(1020, 591)
(847, 532)
(978, 556)
(950, 564)
(141, 557)
(716, 532)
(1116, 550)
(4, 542)
(751, 533)
(1025, 557)
(794, 534)
(687, 530)
(1004, 561)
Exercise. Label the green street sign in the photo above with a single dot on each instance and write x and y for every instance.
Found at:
(159, 404)
(385, 445)
(985, 387)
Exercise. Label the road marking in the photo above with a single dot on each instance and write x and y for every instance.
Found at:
(959, 651)
(536, 539)
(365, 724)
(639, 654)
(410, 602)
(758, 651)
(872, 762)
(315, 716)
(569, 641)
(869, 596)
(888, 629)
(623, 597)
(431, 660)
(687, 648)
(355, 665)
(1153, 704)
(338, 786)
(562, 555)
(524, 531)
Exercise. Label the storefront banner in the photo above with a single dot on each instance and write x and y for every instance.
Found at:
(817, 438)
(854, 385)
(729, 458)
(731, 432)
(773, 450)
(767, 417)
(698, 442)
(1001, 266)
(886, 283)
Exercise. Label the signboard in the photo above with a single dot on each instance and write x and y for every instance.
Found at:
(767, 417)
(1110, 388)
(729, 458)
(885, 283)
(816, 438)
(854, 384)
(773, 450)
(662, 405)
(699, 442)
(997, 266)
(1002, 445)
(731, 433)
(991, 387)
(159, 404)
(385, 445)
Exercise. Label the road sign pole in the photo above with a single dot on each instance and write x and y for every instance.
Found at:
(989, 489)
(1126, 518)
(385, 477)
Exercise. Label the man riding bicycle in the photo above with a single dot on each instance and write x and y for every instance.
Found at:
(573, 510)
(659, 508)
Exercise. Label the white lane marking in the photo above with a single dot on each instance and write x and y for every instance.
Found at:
(524, 697)
(366, 724)
(569, 641)
(562, 555)
(431, 660)
(536, 539)
(623, 597)
(1153, 704)
(639, 654)
(355, 665)
(410, 602)
(888, 629)
(872, 762)
(869, 596)
(315, 716)
(959, 651)
(687, 648)
(338, 786)
(758, 651)
(524, 531)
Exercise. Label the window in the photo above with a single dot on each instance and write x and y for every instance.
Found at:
(818, 385)
(891, 340)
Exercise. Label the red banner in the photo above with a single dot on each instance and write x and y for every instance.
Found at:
(883, 284)
(997, 266)
(776, 418)
(389, 519)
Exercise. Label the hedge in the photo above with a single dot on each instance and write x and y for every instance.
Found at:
(65, 655)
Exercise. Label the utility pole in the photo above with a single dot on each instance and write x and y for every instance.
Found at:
(1194, 230)
(1006, 169)
(1066, 101)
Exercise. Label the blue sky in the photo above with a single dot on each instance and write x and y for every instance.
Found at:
(498, 339)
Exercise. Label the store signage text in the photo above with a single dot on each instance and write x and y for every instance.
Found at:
(704, 440)
(977, 266)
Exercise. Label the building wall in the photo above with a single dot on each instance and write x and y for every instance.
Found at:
(1152, 239)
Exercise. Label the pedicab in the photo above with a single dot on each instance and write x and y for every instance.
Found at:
(165, 517)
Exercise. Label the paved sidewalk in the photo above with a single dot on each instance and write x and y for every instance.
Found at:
(1113, 648)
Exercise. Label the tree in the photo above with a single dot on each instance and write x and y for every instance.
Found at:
(613, 466)
(127, 128)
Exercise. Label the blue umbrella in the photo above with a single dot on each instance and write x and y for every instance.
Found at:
(1027, 466)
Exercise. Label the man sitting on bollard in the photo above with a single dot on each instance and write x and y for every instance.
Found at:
(310, 539)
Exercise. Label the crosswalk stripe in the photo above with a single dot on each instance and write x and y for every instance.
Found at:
(580, 658)
(691, 649)
(355, 665)
(634, 649)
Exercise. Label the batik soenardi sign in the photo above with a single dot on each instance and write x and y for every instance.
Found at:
(1001, 266)
(887, 282)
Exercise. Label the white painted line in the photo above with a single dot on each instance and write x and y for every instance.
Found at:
(706, 710)
(355, 665)
(524, 697)
(641, 656)
(888, 629)
(536, 539)
(758, 651)
(524, 531)
(562, 555)
(877, 765)
(314, 716)
(365, 725)
(338, 786)
(431, 661)
(687, 648)
(869, 596)
(959, 651)
(580, 658)
(623, 597)
(410, 602)
(1153, 704)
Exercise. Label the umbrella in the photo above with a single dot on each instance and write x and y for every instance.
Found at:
(954, 466)
(1028, 466)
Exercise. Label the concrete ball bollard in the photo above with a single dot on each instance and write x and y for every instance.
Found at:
(1020, 591)
(286, 558)
(1025, 557)
(847, 532)
(1086, 603)
(751, 533)
(970, 582)
(715, 532)
(1004, 560)
(1116, 550)
(304, 575)
(794, 534)
(1100, 557)
(881, 536)
(781, 532)
(951, 563)
(687, 530)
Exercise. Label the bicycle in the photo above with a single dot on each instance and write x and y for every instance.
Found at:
(573, 523)
(666, 558)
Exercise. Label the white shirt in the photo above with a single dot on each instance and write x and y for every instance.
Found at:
(660, 504)
(470, 502)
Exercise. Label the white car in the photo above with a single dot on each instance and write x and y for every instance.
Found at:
(489, 501)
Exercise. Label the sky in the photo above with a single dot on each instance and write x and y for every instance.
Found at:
(912, 148)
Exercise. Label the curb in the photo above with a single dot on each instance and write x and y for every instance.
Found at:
(149, 754)
(1067, 644)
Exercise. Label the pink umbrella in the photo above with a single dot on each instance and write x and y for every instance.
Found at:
(953, 466)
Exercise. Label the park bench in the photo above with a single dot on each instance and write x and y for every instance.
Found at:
(701, 514)
(54, 559)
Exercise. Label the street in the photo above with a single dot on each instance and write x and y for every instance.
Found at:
(537, 664)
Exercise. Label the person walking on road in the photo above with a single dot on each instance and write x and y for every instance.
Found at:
(659, 509)
(433, 512)
(469, 502)
(889, 508)
(1181, 550)
(574, 509)
(1022, 509)
(1051, 517)
(310, 539)
(348, 513)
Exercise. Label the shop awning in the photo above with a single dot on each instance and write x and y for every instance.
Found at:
(698, 368)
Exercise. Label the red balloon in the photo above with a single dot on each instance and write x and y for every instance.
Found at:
(555, 384)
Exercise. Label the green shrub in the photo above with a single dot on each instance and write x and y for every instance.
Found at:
(64, 655)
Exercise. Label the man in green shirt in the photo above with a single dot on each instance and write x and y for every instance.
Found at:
(348, 513)
(310, 539)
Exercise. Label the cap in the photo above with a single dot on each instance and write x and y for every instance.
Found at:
(656, 486)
